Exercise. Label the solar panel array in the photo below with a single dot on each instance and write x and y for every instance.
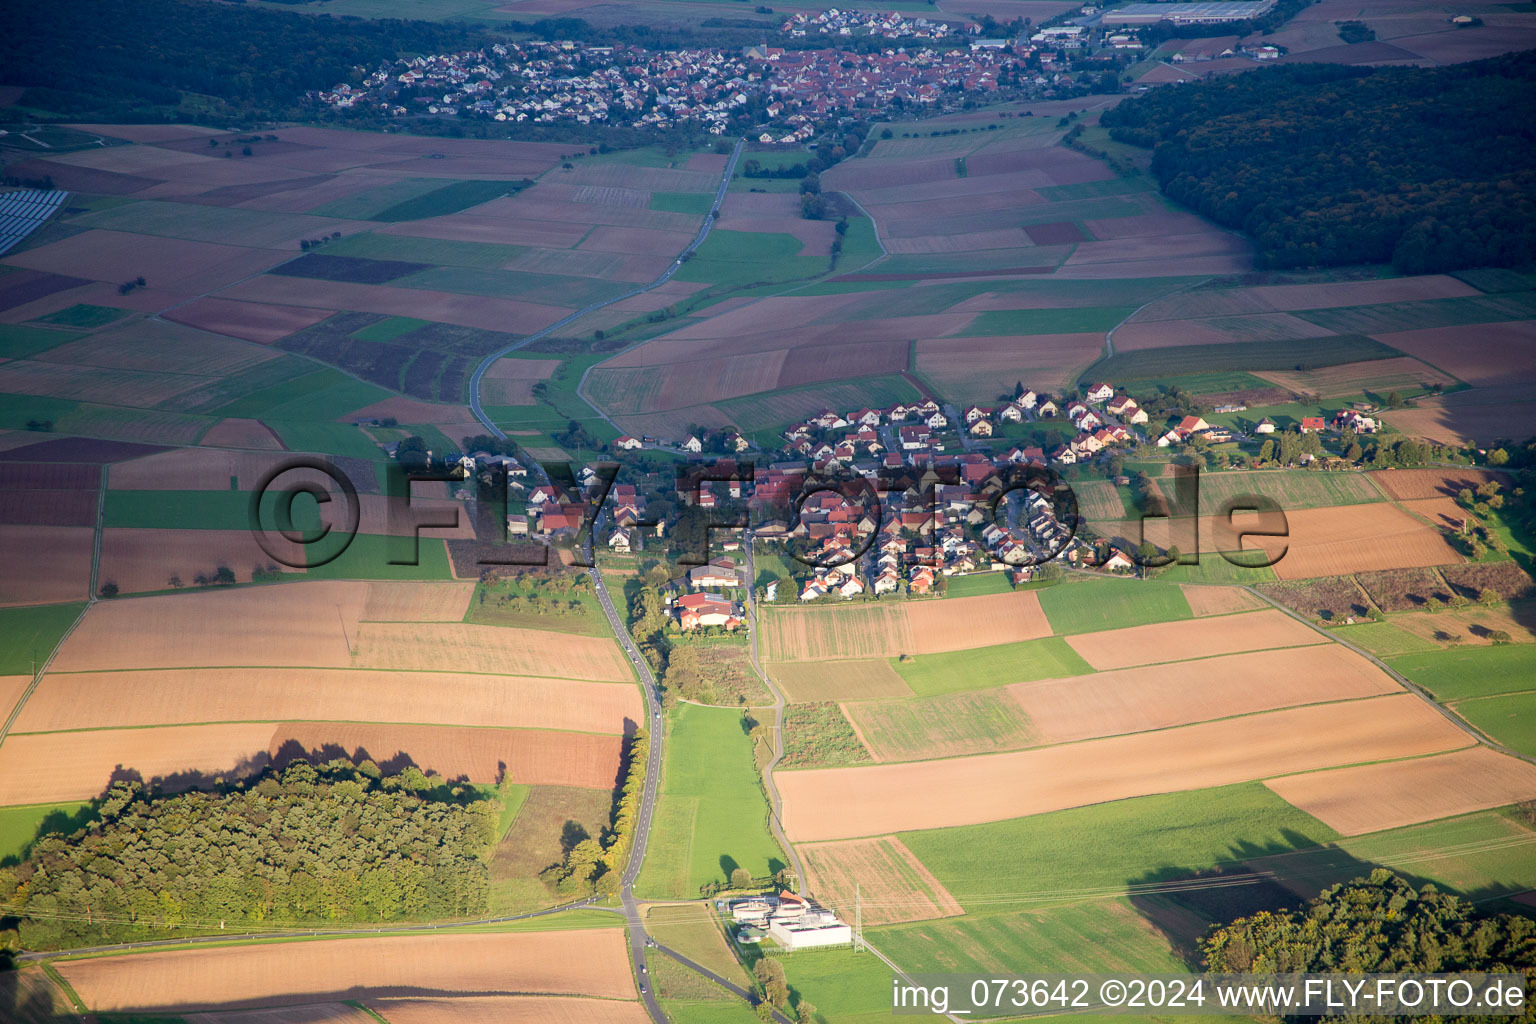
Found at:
(23, 212)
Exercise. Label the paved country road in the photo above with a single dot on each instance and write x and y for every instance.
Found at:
(698, 240)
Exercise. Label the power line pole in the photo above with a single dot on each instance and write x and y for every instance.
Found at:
(858, 919)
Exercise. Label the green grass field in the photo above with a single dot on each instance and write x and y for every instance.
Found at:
(325, 438)
(1405, 316)
(1112, 604)
(1385, 640)
(1294, 488)
(752, 257)
(322, 395)
(1182, 360)
(17, 342)
(368, 558)
(1213, 568)
(844, 986)
(1470, 671)
(31, 633)
(197, 510)
(199, 223)
(504, 284)
(84, 316)
(763, 415)
(695, 932)
(439, 202)
(442, 251)
(1510, 719)
(712, 816)
(388, 329)
(983, 667)
(725, 1009)
(1108, 846)
(1479, 855)
(1045, 321)
(20, 826)
(1102, 936)
(977, 584)
(510, 603)
(695, 203)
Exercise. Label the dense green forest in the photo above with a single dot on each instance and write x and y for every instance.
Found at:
(120, 59)
(1431, 169)
(333, 843)
(1380, 924)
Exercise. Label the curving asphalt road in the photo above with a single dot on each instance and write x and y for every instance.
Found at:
(698, 240)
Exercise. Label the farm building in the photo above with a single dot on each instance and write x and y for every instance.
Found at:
(721, 572)
(697, 610)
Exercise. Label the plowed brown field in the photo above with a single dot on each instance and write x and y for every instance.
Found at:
(1192, 638)
(45, 564)
(588, 963)
(1178, 693)
(1356, 538)
(510, 1010)
(241, 433)
(11, 688)
(893, 885)
(530, 756)
(95, 700)
(145, 560)
(1220, 600)
(844, 803)
(1370, 797)
(1435, 483)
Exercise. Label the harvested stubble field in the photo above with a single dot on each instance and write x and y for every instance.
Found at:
(1192, 638)
(868, 679)
(489, 649)
(98, 700)
(195, 469)
(509, 1010)
(1372, 797)
(1220, 600)
(241, 433)
(1490, 353)
(417, 601)
(846, 803)
(232, 627)
(60, 767)
(952, 725)
(580, 963)
(1377, 375)
(1446, 513)
(1336, 541)
(889, 629)
(44, 564)
(894, 886)
(532, 757)
(1181, 693)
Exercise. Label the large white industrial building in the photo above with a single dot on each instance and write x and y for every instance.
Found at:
(1214, 12)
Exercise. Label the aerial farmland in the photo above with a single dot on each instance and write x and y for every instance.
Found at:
(694, 513)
